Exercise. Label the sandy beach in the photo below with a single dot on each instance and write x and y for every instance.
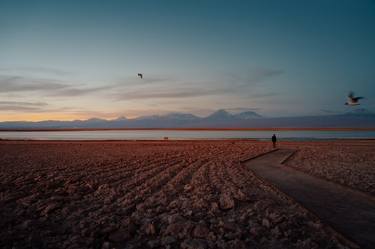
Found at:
(165, 194)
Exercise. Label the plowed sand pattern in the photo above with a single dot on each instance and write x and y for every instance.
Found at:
(176, 194)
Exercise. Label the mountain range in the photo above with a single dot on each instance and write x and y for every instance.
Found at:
(360, 118)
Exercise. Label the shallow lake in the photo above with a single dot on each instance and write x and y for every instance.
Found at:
(182, 134)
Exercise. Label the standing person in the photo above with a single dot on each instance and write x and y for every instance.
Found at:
(274, 140)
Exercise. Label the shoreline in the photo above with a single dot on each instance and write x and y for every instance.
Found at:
(193, 129)
(198, 140)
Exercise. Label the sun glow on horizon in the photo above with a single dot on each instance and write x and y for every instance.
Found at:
(34, 117)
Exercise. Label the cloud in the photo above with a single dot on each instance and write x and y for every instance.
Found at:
(167, 86)
(196, 89)
(257, 95)
(265, 73)
(171, 93)
(43, 70)
(22, 106)
(35, 107)
(73, 91)
(23, 103)
(19, 108)
(147, 79)
(49, 87)
(249, 78)
(159, 87)
(253, 77)
(22, 84)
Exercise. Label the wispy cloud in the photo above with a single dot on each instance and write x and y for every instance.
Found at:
(37, 107)
(263, 74)
(217, 90)
(47, 87)
(22, 84)
(257, 95)
(22, 106)
(253, 76)
(170, 93)
(173, 87)
(74, 91)
(249, 78)
(147, 79)
(43, 70)
(23, 103)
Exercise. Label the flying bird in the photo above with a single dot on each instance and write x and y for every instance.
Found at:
(352, 100)
(140, 75)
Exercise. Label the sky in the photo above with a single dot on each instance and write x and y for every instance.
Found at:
(70, 60)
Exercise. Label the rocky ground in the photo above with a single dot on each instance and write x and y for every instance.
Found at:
(171, 194)
(350, 163)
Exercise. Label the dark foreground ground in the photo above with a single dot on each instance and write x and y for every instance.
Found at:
(349, 212)
(169, 194)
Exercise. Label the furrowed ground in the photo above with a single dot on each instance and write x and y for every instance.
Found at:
(171, 194)
(349, 163)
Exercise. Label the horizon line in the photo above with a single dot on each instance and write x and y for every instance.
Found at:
(197, 129)
(184, 113)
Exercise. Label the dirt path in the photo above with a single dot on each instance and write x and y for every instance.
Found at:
(349, 212)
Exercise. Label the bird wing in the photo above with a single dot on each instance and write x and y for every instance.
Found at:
(351, 95)
(358, 98)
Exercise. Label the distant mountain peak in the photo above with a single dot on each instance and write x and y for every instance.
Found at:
(95, 119)
(121, 118)
(221, 111)
(224, 114)
(357, 117)
(247, 115)
(180, 116)
(174, 116)
(220, 114)
(152, 117)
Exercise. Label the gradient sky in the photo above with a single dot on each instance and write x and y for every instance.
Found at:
(67, 60)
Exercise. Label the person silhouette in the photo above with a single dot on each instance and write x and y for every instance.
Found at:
(274, 140)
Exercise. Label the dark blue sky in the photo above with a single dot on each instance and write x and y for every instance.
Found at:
(64, 59)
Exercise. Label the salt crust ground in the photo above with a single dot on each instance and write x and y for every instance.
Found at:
(185, 194)
(350, 163)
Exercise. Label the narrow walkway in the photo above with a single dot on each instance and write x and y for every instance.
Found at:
(349, 212)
